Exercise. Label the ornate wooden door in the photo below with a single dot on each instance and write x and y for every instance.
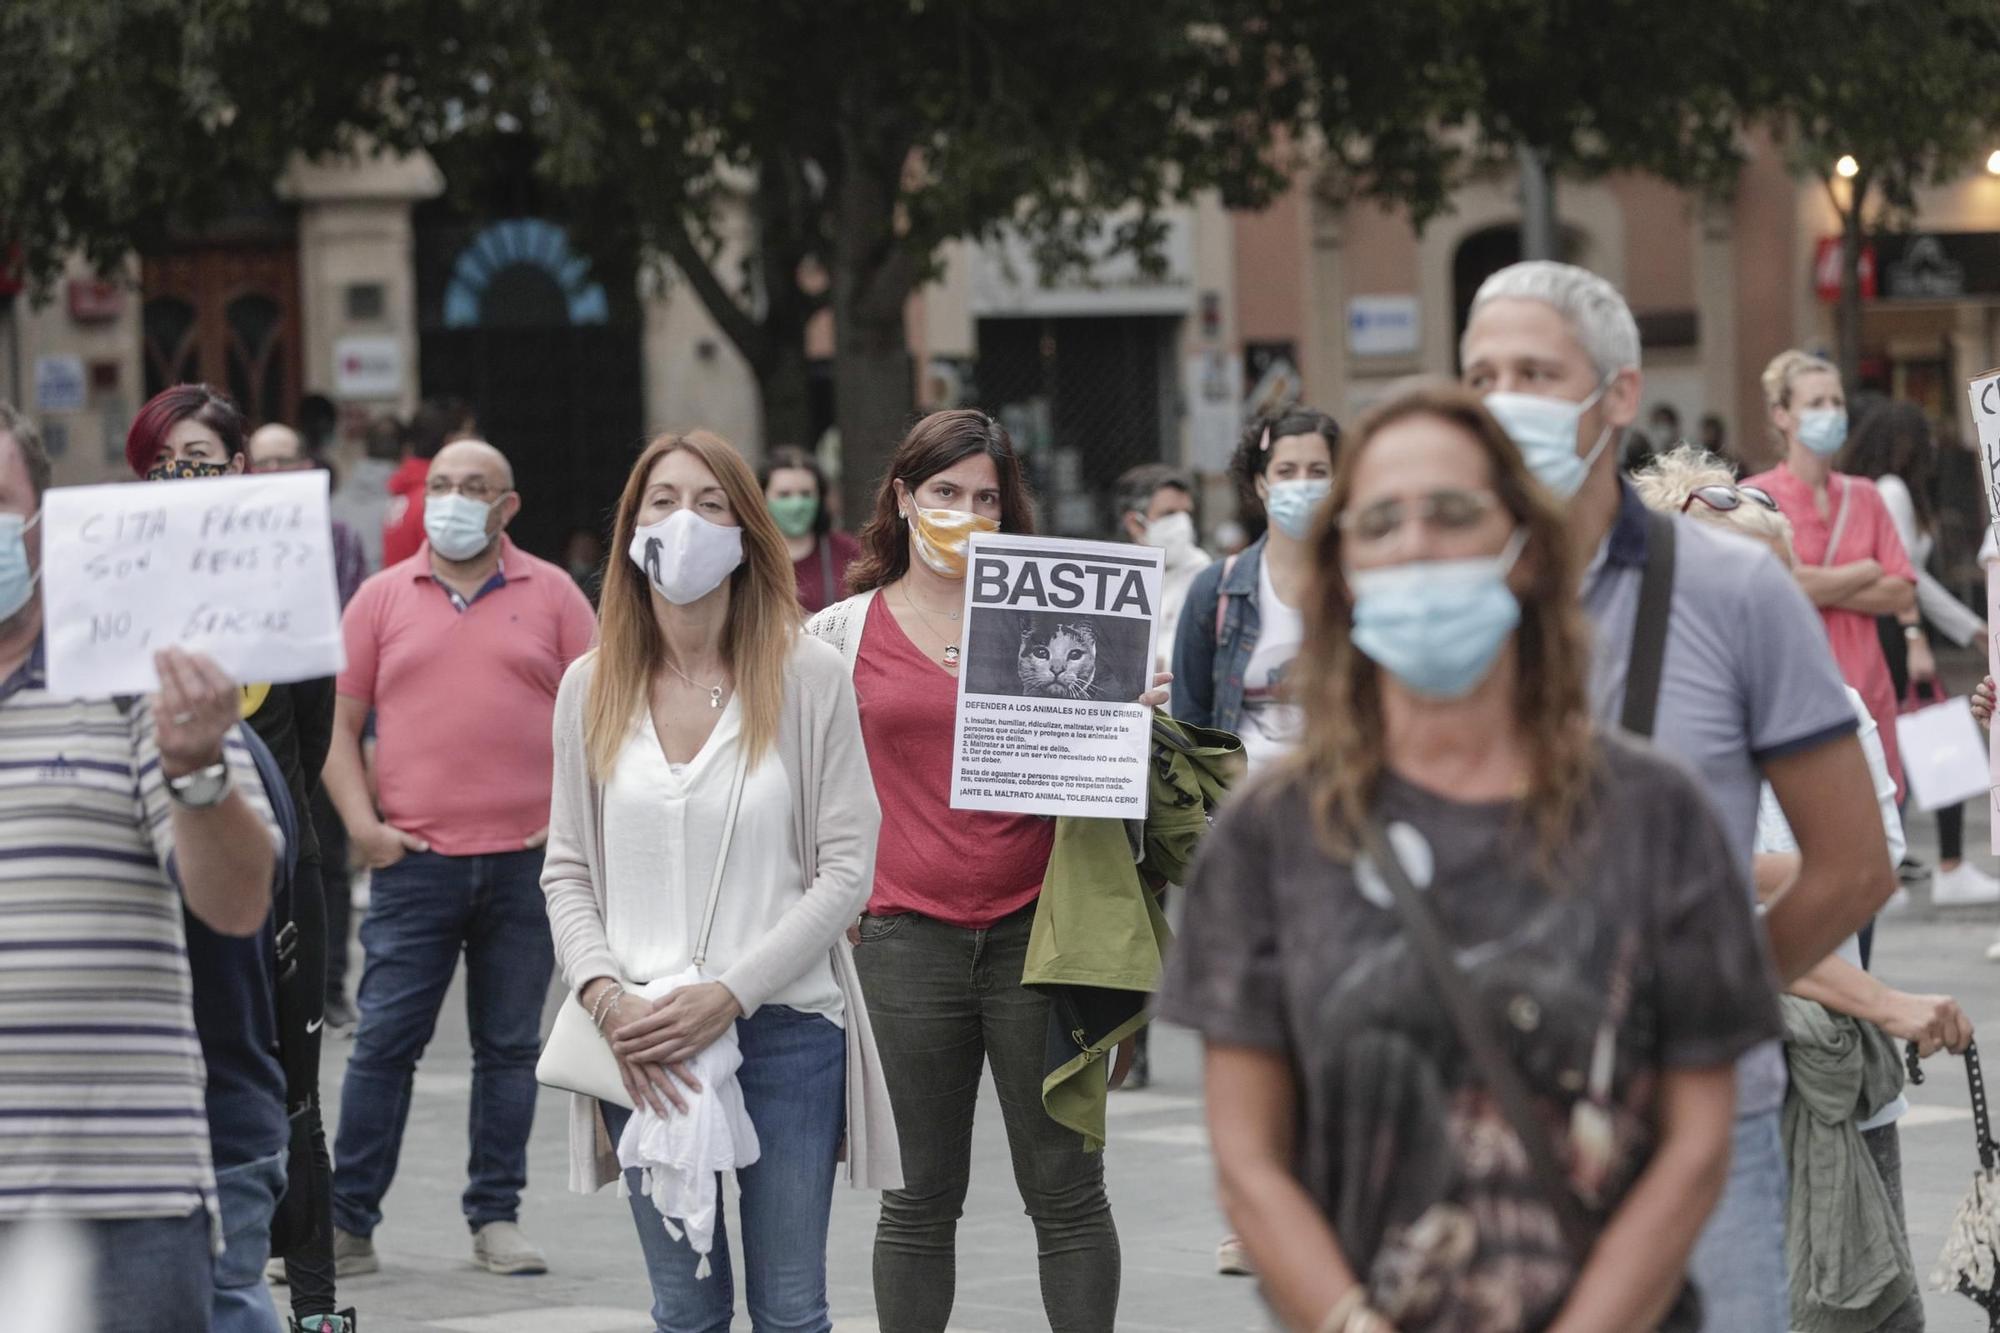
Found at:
(229, 316)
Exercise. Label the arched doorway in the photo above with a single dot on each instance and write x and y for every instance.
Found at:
(1485, 252)
(544, 342)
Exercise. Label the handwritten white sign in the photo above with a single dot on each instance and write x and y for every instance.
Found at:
(240, 568)
(1984, 392)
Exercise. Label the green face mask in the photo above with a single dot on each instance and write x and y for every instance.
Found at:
(795, 514)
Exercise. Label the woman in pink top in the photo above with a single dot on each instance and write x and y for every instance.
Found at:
(942, 948)
(1851, 562)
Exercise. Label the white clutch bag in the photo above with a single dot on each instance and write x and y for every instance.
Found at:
(576, 1059)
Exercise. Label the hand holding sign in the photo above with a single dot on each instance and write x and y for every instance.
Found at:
(193, 712)
(238, 568)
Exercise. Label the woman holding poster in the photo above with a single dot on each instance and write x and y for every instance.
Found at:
(711, 832)
(1503, 1100)
(945, 940)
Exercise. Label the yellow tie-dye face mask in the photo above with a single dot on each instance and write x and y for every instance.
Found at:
(940, 537)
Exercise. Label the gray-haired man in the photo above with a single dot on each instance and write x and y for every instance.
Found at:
(1747, 692)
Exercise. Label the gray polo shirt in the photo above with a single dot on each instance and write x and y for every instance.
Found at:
(1749, 677)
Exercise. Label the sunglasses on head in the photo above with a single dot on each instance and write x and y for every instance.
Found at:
(1722, 499)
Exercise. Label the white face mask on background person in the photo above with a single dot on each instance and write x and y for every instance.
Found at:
(684, 556)
(1173, 533)
(1293, 503)
(1544, 430)
(456, 525)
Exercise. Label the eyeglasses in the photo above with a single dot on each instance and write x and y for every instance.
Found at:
(1723, 499)
(1445, 511)
(472, 488)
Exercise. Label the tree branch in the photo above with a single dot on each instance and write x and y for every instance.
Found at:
(750, 336)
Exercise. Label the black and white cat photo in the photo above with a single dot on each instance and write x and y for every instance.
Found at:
(1060, 662)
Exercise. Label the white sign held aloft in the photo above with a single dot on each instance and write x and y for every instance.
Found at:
(1058, 646)
(1984, 393)
(240, 568)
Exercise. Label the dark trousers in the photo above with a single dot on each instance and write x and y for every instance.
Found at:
(422, 913)
(339, 892)
(945, 1002)
(146, 1275)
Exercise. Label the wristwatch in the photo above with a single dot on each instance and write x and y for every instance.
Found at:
(1913, 632)
(202, 789)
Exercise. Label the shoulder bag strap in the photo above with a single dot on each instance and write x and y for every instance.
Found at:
(1221, 597)
(1481, 1044)
(1832, 555)
(722, 854)
(1649, 628)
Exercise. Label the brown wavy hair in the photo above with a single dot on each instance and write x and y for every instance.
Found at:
(764, 612)
(1339, 687)
(935, 443)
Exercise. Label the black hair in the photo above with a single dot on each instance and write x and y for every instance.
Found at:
(1894, 439)
(1138, 485)
(1253, 455)
(435, 422)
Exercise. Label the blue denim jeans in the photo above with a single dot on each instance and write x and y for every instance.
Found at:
(422, 913)
(151, 1275)
(1739, 1262)
(249, 1195)
(794, 1081)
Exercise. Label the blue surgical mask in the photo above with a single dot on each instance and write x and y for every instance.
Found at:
(1437, 625)
(1292, 504)
(1823, 430)
(17, 581)
(456, 525)
(1544, 430)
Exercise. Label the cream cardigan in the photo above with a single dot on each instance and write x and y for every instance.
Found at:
(819, 742)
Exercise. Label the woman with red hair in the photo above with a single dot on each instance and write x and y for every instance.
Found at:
(193, 431)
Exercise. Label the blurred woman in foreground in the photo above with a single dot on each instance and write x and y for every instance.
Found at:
(1525, 1127)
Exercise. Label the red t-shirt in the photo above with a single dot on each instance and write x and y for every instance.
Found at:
(822, 574)
(968, 868)
(403, 520)
(1869, 534)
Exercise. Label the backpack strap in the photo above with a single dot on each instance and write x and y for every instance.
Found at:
(1649, 628)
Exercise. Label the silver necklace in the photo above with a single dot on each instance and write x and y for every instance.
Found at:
(950, 655)
(714, 691)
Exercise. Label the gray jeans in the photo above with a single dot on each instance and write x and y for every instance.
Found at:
(944, 1001)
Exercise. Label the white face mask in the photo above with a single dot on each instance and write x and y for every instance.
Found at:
(1544, 430)
(456, 525)
(685, 557)
(1174, 533)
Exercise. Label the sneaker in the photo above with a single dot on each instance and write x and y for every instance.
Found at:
(326, 1323)
(353, 1255)
(499, 1247)
(1231, 1259)
(1912, 871)
(341, 1019)
(1964, 884)
(274, 1272)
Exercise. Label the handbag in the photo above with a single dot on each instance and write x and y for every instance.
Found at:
(1969, 1264)
(577, 1057)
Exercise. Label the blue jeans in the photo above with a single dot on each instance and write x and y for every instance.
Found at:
(151, 1275)
(249, 1195)
(1739, 1262)
(422, 912)
(794, 1081)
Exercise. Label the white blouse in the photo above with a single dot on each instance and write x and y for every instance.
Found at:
(662, 828)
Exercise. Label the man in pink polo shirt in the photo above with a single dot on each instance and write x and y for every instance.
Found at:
(458, 650)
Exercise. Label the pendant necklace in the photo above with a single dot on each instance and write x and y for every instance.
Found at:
(950, 655)
(714, 691)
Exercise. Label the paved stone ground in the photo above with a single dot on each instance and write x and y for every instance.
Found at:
(1159, 1174)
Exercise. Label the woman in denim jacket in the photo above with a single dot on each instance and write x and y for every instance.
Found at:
(1240, 627)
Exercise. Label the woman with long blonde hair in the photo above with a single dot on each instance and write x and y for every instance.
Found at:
(713, 809)
(1471, 978)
